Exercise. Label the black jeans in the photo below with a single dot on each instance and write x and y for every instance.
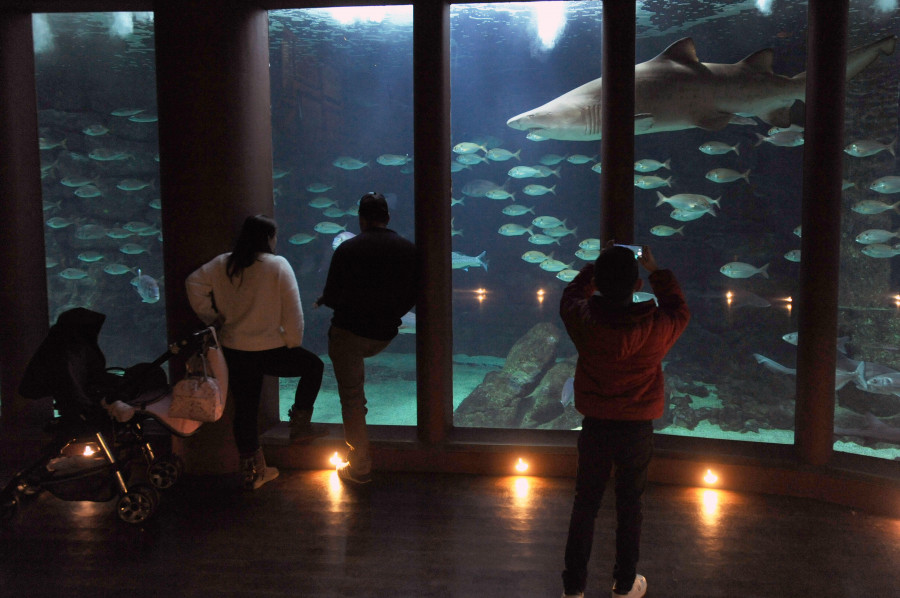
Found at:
(602, 443)
(245, 376)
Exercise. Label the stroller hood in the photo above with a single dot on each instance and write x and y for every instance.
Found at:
(68, 358)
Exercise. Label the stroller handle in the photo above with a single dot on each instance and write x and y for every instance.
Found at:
(194, 339)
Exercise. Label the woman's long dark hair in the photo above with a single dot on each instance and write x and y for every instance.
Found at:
(253, 240)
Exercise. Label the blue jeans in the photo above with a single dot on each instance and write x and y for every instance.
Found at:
(245, 377)
(601, 444)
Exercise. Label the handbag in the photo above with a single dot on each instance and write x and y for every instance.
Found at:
(198, 396)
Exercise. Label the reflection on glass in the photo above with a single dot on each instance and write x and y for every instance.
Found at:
(96, 90)
(342, 126)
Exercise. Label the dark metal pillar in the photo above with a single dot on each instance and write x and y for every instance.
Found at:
(215, 148)
(821, 221)
(23, 295)
(434, 338)
(617, 145)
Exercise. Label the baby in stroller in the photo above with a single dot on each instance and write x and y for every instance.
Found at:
(98, 450)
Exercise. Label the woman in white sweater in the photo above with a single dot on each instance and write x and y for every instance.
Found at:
(251, 295)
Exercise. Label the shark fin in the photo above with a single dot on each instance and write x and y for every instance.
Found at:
(780, 117)
(682, 51)
(760, 61)
(714, 121)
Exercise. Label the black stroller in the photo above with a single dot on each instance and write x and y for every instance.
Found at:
(99, 450)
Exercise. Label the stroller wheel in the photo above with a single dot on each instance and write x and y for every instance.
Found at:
(138, 504)
(9, 504)
(165, 471)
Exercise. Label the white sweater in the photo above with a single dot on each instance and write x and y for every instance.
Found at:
(261, 310)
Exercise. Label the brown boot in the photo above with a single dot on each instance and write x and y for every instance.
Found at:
(302, 430)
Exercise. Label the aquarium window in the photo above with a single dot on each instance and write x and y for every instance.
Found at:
(867, 410)
(96, 91)
(341, 81)
(718, 207)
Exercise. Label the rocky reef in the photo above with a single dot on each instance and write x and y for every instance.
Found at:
(526, 392)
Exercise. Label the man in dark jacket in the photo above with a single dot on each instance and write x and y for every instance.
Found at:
(371, 284)
(619, 390)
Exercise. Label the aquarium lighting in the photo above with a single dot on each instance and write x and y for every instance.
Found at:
(549, 19)
(729, 297)
(897, 300)
(89, 450)
(521, 465)
(336, 460)
(710, 477)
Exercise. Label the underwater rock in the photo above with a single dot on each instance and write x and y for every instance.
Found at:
(544, 401)
(496, 401)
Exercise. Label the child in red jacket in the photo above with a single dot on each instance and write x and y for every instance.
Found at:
(619, 390)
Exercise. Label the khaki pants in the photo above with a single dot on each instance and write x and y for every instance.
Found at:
(347, 352)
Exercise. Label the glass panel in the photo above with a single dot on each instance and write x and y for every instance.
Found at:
(867, 414)
(342, 126)
(729, 376)
(96, 89)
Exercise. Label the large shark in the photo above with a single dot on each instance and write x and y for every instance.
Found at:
(676, 91)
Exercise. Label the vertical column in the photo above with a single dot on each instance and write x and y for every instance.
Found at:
(617, 122)
(821, 221)
(215, 146)
(23, 295)
(434, 339)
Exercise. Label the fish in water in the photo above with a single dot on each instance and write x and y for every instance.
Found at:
(688, 201)
(661, 230)
(876, 235)
(648, 165)
(742, 270)
(340, 238)
(782, 138)
(147, 287)
(675, 91)
(347, 163)
(534, 257)
(886, 185)
(301, 238)
(881, 250)
(568, 392)
(460, 261)
(727, 175)
(869, 147)
(717, 148)
(329, 228)
(873, 206)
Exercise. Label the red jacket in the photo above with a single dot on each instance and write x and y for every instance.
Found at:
(620, 347)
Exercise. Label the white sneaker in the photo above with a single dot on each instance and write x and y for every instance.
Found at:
(269, 474)
(637, 590)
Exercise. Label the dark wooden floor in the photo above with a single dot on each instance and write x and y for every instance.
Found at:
(411, 535)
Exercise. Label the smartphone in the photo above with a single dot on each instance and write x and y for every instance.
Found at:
(637, 249)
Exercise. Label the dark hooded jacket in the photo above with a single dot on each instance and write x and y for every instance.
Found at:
(69, 365)
(619, 373)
